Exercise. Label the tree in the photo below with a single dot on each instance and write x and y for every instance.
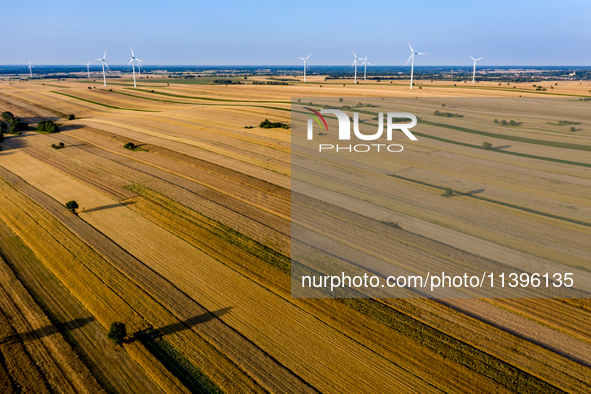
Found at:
(573, 128)
(513, 123)
(8, 116)
(117, 333)
(72, 206)
(447, 192)
(340, 100)
(487, 145)
(496, 121)
(443, 105)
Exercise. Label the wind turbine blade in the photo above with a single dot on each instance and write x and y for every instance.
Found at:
(409, 59)
(471, 57)
(479, 58)
(354, 63)
(105, 56)
(422, 53)
(131, 51)
(301, 58)
(412, 50)
(369, 63)
(107, 66)
(354, 54)
(308, 56)
(130, 61)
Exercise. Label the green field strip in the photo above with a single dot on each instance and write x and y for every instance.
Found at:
(101, 104)
(189, 375)
(211, 99)
(506, 204)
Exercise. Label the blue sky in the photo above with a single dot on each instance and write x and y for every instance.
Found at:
(232, 32)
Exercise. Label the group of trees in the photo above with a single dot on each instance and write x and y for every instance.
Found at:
(15, 124)
(505, 123)
(47, 126)
(266, 124)
(446, 114)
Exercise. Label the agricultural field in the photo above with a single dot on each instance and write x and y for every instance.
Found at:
(183, 232)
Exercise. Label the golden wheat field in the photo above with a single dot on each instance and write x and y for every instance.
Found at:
(186, 239)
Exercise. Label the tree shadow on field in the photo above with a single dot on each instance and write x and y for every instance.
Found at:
(119, 204)
(49, 330)
(472, 192)
(187, 324)
(501, 147)
(71, 127)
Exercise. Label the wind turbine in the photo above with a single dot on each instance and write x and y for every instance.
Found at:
(365, 63)
(31, 67)
(88, 69)
(355, 64)
(132, 62)
(412, 57)
(139, 68)
(474, 71)
(305, 64)
(104, 62)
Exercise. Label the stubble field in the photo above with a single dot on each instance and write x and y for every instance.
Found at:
(188, 243)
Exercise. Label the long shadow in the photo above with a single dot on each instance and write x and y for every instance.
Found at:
(71, 127)
(502, 147)
(109, 206)
(472, 192)
(50, 330)
(187, 324)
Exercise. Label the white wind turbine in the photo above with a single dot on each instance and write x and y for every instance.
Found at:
(412, 57)
(139, 68)
(31, 67)
(365, 63)
(104, 62)
(88, 69)
(305, 64)
(474, 70)
(132, 62)
(355, 64)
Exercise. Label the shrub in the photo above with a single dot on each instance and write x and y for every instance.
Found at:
(443, 105)
(513, 123)
(340, 100)
(70, 117)
(573, 128)
(130, 146)
(496, 121)
(447, 192)
(58, 146)
(487, 145)
(72, 206)
(117, 333)
(47, 126)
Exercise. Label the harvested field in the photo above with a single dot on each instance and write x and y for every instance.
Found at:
(188, 241)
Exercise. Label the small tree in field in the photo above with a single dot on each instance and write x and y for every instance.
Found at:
(117, 333)
(447, 192)
(72, 206)
(573, 128)
(486, 145)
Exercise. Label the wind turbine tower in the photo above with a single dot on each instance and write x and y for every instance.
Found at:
(132, 62)
(412, 60)
(305, 64)
(31, 69)
(355, 64)
(88, 69)
(365, 63)
(104, 62)
(474, 70)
